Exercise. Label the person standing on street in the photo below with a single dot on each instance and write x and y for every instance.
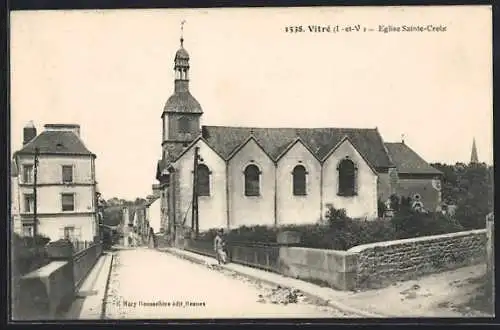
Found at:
(219, 247)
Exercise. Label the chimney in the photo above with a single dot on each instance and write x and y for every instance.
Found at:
(64, 127)
(29, 132)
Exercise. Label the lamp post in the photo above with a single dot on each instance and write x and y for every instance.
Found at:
(35, 175)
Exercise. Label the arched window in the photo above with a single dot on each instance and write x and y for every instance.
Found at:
(299, 180)
(347, 178)
(203, 180)
(252, 180)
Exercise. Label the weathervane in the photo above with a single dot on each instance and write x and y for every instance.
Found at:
(182, 31)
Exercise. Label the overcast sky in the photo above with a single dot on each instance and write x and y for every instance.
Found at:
(112, 71)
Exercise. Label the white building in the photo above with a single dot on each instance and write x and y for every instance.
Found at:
(278, 176)
(66, 184)
(153, 215)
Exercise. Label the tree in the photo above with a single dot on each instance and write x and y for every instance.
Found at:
(470, 187)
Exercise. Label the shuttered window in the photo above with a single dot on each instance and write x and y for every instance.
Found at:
(27, 173)
(67, 173)
(68, 202)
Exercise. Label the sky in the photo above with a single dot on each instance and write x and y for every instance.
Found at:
(111, 71)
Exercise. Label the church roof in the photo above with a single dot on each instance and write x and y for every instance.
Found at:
(224, 140)
(56, 142)
(182, 102)
(408, 161)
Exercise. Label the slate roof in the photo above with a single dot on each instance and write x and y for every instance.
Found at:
(182, 54)
(224, 140)
(182, 102)
(408, 161)
(56, 142)
(151, 201)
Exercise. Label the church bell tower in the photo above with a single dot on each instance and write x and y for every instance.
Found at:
(182, 112)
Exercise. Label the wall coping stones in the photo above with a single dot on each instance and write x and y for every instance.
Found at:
(45, 270)
(361, 248)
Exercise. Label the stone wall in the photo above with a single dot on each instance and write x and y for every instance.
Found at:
(380, 264)
(335, 268)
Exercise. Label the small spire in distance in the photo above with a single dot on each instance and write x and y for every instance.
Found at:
(473, 155)
(403, 138)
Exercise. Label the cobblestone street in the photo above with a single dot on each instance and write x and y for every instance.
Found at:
(148, 284)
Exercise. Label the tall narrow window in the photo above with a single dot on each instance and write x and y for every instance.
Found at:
(68, 202)
(203, 180)
(184, 125)
(67, 173)
(252, 181)
(299, 180)
(29, 203)
(347, 178)
(27, 173)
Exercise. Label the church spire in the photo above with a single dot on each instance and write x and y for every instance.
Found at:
(181, 66)
(473, 155)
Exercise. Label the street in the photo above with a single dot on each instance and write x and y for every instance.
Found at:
(149, 284)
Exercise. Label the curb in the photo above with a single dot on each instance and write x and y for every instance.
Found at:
(314, 297)
(106, 288)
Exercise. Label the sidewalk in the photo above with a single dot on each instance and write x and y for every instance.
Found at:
(90, 297)
(321, 295)
(437, 295)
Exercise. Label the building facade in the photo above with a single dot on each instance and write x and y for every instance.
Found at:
(15, 205)
(66, 187)
(153, 215)
(278, 176)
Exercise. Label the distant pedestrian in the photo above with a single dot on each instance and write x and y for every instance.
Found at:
(220, 247)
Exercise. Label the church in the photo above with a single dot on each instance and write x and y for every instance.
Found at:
(277, 176)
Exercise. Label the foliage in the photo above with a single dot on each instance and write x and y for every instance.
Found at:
(113, 208)
(470, 187)
(339, 232)
(409, 223)
(27, 256)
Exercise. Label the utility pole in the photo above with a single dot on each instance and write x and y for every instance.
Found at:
(35, 175)
(194, 209)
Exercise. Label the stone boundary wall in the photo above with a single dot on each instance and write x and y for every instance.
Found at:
(334, 268)
(381, 264)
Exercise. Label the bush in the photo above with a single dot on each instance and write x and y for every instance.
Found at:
(339, 232)
(410, 224)
(27, 256)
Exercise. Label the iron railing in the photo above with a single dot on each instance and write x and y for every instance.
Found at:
(259, 255)
(201, 247)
